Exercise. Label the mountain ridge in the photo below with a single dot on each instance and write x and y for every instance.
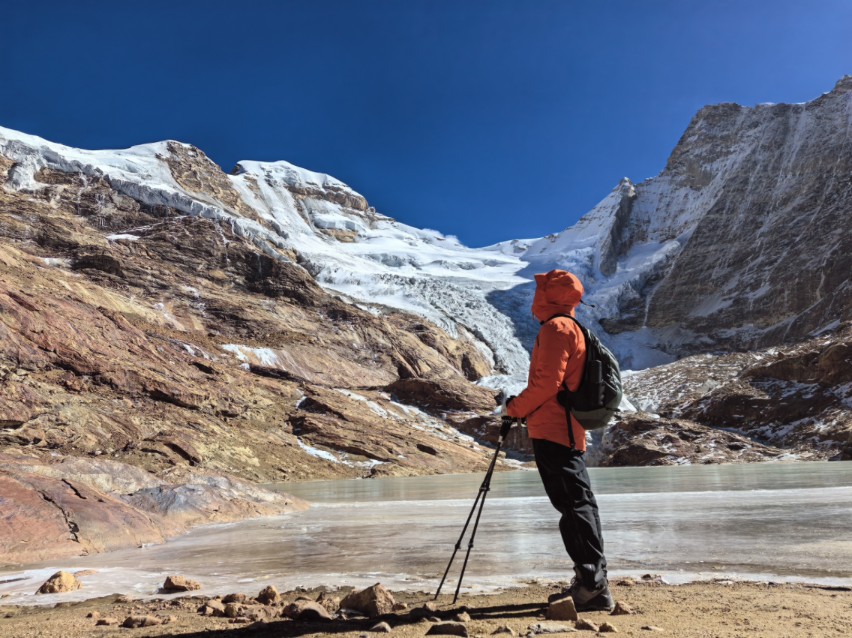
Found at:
(161, 317)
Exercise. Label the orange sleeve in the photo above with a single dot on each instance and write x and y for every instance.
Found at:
(547, 370)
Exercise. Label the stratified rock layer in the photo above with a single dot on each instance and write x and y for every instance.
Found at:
(148, 377)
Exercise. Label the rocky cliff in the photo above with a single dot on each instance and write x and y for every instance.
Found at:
(786, 402)
(741, 242)
(154, 364)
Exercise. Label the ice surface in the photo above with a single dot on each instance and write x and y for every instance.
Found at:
(686, 523)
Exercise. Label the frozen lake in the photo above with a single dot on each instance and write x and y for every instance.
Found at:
(769, 521)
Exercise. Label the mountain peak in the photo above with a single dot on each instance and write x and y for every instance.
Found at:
(844, 85)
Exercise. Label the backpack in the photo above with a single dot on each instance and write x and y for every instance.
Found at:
(597, 399)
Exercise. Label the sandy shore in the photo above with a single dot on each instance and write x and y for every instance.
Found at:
(715, 609)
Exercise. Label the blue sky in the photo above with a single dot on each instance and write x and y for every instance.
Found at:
(488, 120)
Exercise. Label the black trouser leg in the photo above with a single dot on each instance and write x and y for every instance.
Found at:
(566, 481)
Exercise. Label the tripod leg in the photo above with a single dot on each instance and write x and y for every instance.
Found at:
(459, 541)
(483, 492)
(483, 489)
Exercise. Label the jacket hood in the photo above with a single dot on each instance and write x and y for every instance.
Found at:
(557, 293)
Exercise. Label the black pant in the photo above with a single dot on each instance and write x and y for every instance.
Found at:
(566, 481)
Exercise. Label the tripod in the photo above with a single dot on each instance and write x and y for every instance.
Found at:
(505, 426)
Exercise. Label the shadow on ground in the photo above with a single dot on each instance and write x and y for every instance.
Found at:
(293, 629)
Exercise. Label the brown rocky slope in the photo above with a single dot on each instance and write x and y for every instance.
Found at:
(787, 402)
(147, 383)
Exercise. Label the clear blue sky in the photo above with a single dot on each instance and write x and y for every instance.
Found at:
(489, 120)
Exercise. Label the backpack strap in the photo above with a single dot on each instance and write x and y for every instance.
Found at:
(567, 409)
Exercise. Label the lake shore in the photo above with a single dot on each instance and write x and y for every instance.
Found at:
(717, 608)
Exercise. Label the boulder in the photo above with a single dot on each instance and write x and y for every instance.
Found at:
(233, 610)
(134, 622)
(331, 603)
(306, 610)
(235, 598)
(585, 625)
(59, 583)
(214, 607)
(607, 628)
(561, 609)
(180, 583)
(373, 601)
(448, 629)
(269, 595)
(622, 609)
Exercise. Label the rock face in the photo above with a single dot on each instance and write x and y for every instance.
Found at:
(740, 243)
(157, 359)
(784, 402)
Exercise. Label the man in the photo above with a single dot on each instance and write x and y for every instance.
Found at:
(558, 359)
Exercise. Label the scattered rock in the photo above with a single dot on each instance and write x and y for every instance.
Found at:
(447, 629)
(373, 601)
(235, 598)
(134, 622)
(180, 583)
(233, 610)
(269, 595)
(214, 607)
(549, 628)
(654, 579)
(122, 599)
(242, 620)
(169, 619)
(107, 621)
(462, 617)
(381, 628)
(585, 625)
(93, 614)
(306, 610)
(626, 582)
(561, 609)
(256, 613)
(652, 628)
(331, 603)
(606, 628)
(503, 629)
(424, 611)
(400, 607)
(622, 609)
(59, 583)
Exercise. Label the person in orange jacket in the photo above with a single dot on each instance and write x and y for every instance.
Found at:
(559, 442)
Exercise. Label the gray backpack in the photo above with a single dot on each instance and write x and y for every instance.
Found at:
(596, 401)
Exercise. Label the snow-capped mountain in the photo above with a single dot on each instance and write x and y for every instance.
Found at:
(169, 332)
(701, 257)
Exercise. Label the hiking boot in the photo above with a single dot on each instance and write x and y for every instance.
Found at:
(598, 599)
(565, 592)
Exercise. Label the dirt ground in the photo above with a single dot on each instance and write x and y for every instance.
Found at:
(710, 609)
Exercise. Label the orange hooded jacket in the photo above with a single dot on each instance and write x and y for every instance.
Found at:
(558, 357)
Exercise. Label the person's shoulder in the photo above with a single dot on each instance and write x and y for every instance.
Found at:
(561, 325)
